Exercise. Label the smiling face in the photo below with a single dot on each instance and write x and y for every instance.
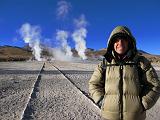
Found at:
(121, 46)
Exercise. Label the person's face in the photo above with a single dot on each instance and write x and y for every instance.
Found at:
(121, 46)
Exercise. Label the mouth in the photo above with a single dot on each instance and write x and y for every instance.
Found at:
(120, 48)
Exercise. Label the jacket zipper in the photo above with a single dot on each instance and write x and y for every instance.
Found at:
(121, 92)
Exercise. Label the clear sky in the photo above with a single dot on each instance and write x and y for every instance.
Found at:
(141, 16)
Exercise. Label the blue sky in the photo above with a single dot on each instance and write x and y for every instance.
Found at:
(141, 16)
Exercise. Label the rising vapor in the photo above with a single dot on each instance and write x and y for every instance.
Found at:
(62, 9)
(63, 51)
(79, 36)
(32, 35)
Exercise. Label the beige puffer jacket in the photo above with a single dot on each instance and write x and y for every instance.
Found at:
(130, 86)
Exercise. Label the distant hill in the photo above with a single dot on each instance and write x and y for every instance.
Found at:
(13, 53)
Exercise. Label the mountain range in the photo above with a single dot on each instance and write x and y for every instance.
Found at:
(13, 53)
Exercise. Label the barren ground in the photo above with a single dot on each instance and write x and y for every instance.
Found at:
(59, 91)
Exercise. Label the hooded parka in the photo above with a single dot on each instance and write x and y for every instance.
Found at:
(128, 87)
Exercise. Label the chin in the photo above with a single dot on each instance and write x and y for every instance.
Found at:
(121, 53)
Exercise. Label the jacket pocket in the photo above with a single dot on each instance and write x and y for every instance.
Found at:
(111, 103)
(102, 107)
(99, 103)
(133, 104)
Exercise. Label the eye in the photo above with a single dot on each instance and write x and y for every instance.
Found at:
(117, 40)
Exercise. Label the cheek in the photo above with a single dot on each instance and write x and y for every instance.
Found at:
(115, 46)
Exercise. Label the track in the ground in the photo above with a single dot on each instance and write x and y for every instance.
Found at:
(27, 110)
(30, 111)
(64, 72)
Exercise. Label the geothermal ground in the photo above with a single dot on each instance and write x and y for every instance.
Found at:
(51, 91)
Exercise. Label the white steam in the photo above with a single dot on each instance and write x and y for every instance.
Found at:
(64, 50)
(62, 8)
(60, 55)
(79, 36)
(31, 35)
(81, 22)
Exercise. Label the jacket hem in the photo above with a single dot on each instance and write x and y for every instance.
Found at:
(126, 115)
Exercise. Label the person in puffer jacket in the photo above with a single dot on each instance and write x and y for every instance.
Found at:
(125, 85)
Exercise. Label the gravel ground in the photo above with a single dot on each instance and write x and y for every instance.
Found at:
(16, 80)
(74, 65)
(54, 96)
(78, 74)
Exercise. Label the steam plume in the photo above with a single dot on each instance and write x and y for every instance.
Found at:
(62, 8)
(65, 49)
(79, 36)
(31, 35)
